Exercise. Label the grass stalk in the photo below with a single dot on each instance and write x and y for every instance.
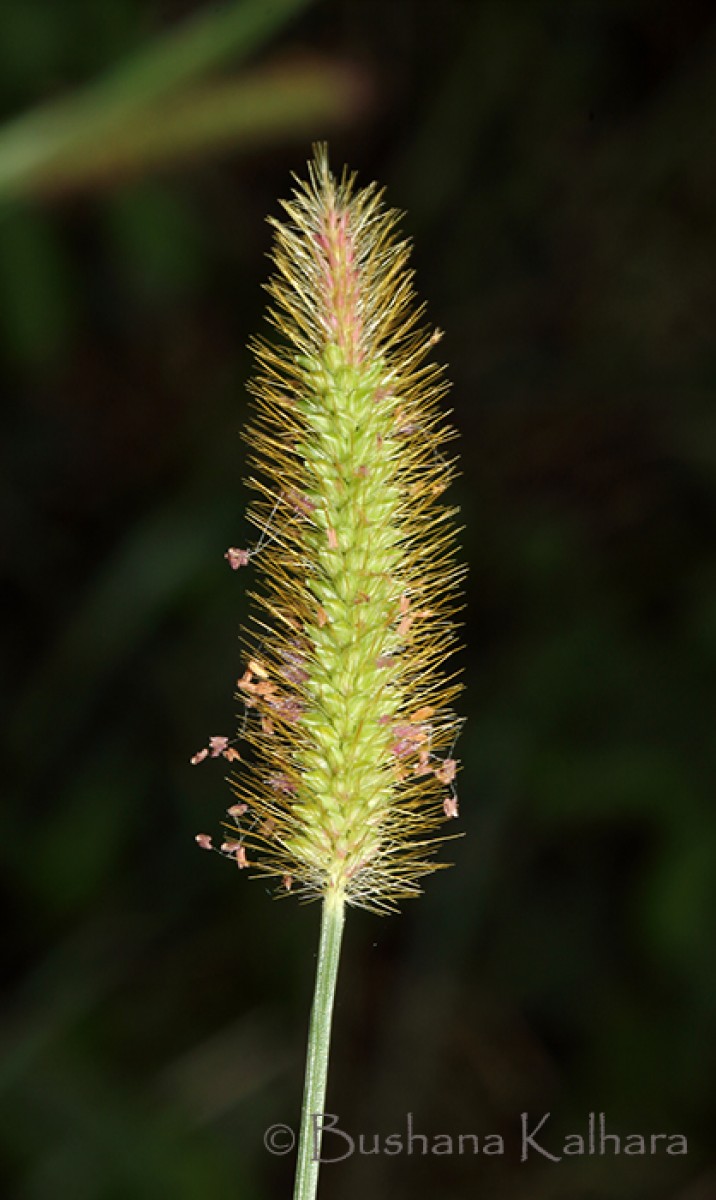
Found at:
(319, 1042)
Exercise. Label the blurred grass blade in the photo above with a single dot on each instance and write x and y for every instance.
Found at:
(35, 139)
(266, 104)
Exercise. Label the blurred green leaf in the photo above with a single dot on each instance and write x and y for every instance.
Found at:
(272, 103)
(679, 897)
(37, 295)
(35, 142)
(155, 238)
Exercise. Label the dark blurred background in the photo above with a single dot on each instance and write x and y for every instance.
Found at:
(556, 164)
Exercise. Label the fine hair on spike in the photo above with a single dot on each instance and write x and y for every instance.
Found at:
(348, 770)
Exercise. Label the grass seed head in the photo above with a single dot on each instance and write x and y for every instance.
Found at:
(351, 727)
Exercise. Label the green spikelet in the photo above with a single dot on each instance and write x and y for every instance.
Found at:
(349, 715)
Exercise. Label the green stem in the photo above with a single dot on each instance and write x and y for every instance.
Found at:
(319, 1041)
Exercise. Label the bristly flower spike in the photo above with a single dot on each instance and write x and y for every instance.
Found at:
(356, 612)
(350, 772)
